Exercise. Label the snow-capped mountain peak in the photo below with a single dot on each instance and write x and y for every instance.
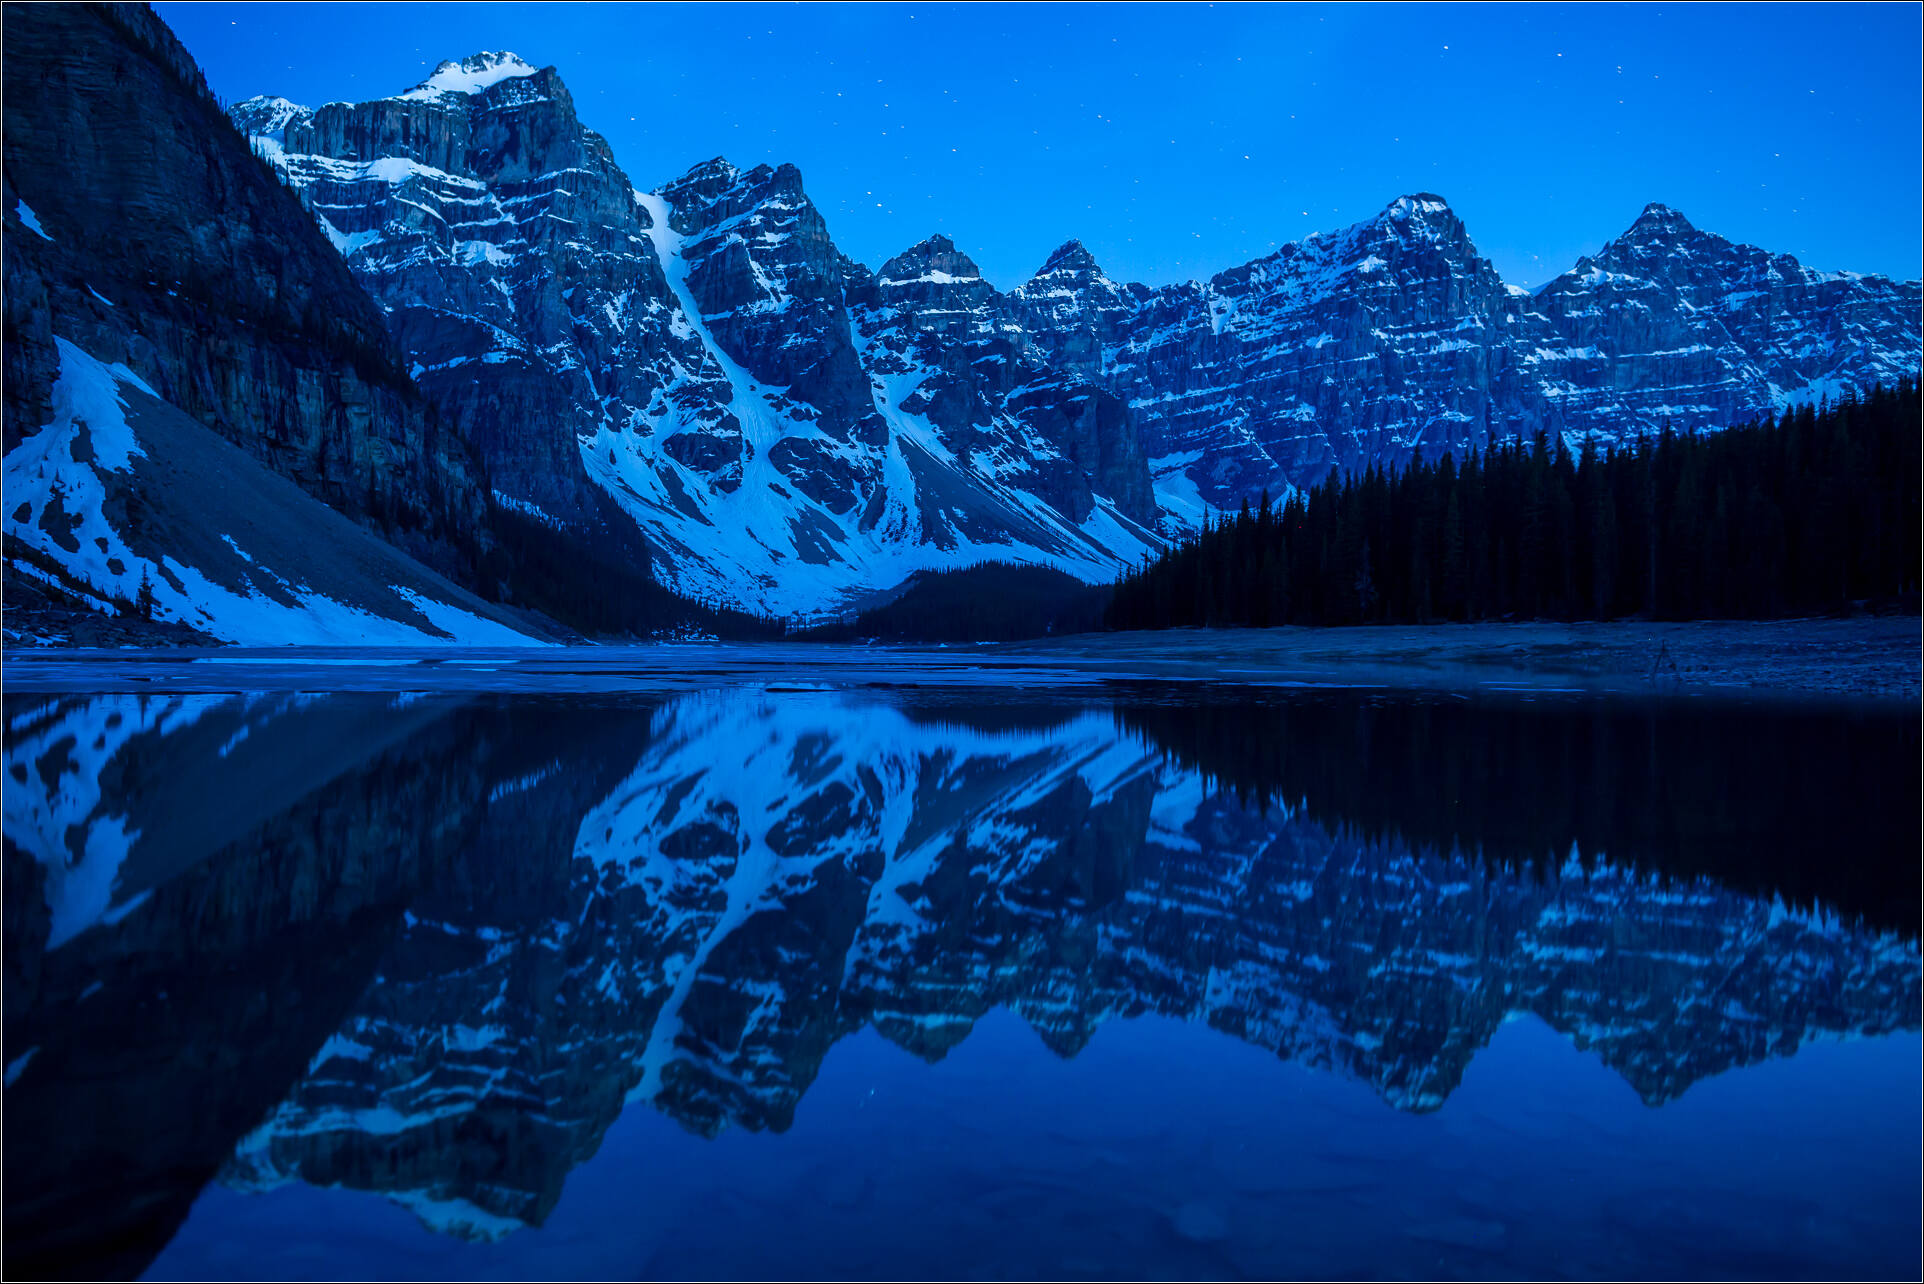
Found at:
(1072, 256)
(1658, 219)
(935, 260)
(792, 431)
(1069, 267)
(715, 173)
(1418, 205)
(471, 75)
(690, 360)
(267, 116)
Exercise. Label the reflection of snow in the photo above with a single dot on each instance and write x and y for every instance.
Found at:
(741, 766)
(55, 809)
(783, 865)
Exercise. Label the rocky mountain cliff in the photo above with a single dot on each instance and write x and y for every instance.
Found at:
(693, 354)
(793, 430)
(511, 260)
(1668, 324)
(206, 419)
(244, 321)
(695, 382)
(1363, 346)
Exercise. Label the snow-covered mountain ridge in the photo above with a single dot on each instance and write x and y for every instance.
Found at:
(791, 430)
(695, 353)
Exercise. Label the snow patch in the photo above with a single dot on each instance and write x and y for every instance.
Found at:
(28, 218)
(56, 486)
(470, 76)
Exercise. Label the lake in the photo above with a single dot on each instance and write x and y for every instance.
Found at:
(312, 973)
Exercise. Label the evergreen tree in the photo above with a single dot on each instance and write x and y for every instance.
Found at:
(144, 602)
(1809, 513)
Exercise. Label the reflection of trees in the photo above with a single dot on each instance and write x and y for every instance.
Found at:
(1803, 802)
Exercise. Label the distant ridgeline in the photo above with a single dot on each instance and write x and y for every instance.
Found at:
(1803, 515)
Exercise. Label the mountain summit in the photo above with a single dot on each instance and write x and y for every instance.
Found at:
(1659, 221)
(471, 75)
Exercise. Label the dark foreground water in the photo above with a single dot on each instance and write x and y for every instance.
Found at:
(764, 980)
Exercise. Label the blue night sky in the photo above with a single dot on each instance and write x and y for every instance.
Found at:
(1179, 140)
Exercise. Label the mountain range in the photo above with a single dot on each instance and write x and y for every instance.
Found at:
(694, 383)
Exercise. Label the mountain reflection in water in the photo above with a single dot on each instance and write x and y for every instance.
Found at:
(432, 946)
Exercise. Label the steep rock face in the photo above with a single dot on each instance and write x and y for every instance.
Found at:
(1075, 313)
(690, 353)
(769, 285)
(1363, 346)
(117, 160)
(1097, 441)
(1668, 324)
(512, 260)
(792, 430)
(1044, 429)
(1342, 350)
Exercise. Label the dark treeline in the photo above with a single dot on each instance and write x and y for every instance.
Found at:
(1803, 803)
(599, 585)
(988, 602)
(1803, 515)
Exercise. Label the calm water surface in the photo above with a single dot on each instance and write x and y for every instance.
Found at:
(762, 980)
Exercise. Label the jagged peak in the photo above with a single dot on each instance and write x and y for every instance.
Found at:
(1424, 207)
(934, 259)
(266, 115)
(703, 183)
(1072, 256)
(718, 184)
(715, 168)
(784, 177)
(935, 244)
(1658, 219)
(1658, 231)
(269, 102)
(472, 74)
(1412, 219)
(1431, 215)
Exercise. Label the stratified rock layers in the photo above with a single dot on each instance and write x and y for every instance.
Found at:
(792, 430)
